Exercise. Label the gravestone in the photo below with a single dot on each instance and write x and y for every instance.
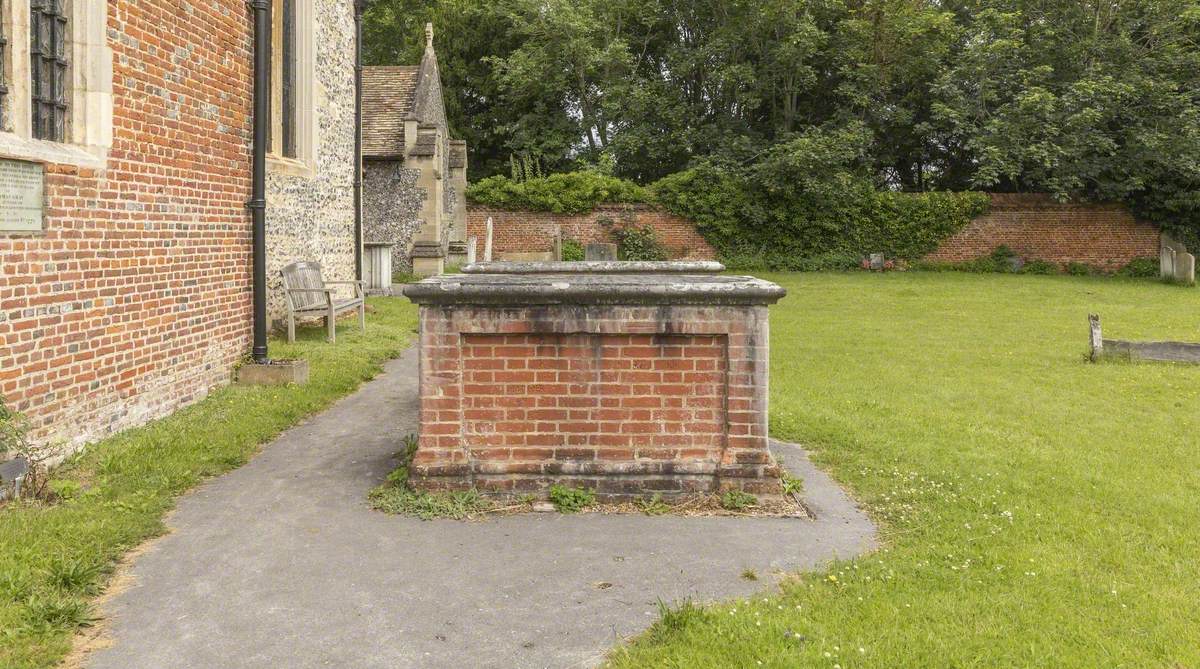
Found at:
(1166, 262)
(877, 262)
(1185, 267)
(487, 242)
(472, 242)
(12, 473)
(600, 251)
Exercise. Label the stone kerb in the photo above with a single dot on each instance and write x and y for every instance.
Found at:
(628, 384)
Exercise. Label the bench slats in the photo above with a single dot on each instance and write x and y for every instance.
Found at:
(308, 293)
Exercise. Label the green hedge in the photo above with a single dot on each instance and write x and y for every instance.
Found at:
(832, 226)
(569, 193)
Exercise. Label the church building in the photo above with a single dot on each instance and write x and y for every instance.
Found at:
(415, 175)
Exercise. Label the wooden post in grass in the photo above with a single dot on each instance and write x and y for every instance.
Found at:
(1097, 340)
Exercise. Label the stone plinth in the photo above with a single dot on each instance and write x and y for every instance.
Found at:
(626, 383)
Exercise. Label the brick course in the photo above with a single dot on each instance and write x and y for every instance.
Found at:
(533, 231)
(621, 399)
(1034, 226)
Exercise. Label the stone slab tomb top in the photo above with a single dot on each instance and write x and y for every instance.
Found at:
(597, 266)
(598, 286)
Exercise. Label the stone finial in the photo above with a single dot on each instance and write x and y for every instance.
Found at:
(429, 35)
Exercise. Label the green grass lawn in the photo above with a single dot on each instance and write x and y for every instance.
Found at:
(55, 559)
(1036, 511)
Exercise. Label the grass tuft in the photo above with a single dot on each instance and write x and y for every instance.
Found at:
(395, 495)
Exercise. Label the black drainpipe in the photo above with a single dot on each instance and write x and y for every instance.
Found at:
(359, 7)
(258, 197)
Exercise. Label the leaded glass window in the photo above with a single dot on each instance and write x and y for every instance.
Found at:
(288, 84)
(48, 68)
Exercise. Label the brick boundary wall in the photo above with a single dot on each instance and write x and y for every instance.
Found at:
(516, 231)
(136, 298)
(626, 400)
(1034, 226)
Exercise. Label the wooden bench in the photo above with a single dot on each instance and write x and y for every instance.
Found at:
(309, 294)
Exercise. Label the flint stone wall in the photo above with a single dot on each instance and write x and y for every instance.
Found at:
(392, 208)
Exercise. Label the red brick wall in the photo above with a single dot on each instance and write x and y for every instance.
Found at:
(625, 400)
(533, 231)
(136, 298)
(1036, 227)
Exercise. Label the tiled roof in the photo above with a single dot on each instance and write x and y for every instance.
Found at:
(387, 98)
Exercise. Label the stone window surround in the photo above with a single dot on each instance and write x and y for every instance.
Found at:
(89, 119)
(304, 164)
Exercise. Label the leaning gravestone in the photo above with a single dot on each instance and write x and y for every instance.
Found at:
(600, 251)
(1166, 262)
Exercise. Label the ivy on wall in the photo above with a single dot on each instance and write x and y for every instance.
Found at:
(566, 193)
(787, 222)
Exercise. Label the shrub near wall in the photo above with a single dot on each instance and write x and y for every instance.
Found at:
(829, 226)
(569, 193)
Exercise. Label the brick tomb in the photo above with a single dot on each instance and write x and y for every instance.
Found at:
(626, 378)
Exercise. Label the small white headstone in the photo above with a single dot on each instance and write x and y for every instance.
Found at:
(487, 242)
(472, 242)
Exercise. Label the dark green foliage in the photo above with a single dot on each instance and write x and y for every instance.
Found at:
(795, 212)
(1095, 102)
(571, 500)
(1040, 267)
(572, 250)
(637, 243)
(1080, 269)
(568, 193)
(1140, 268)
